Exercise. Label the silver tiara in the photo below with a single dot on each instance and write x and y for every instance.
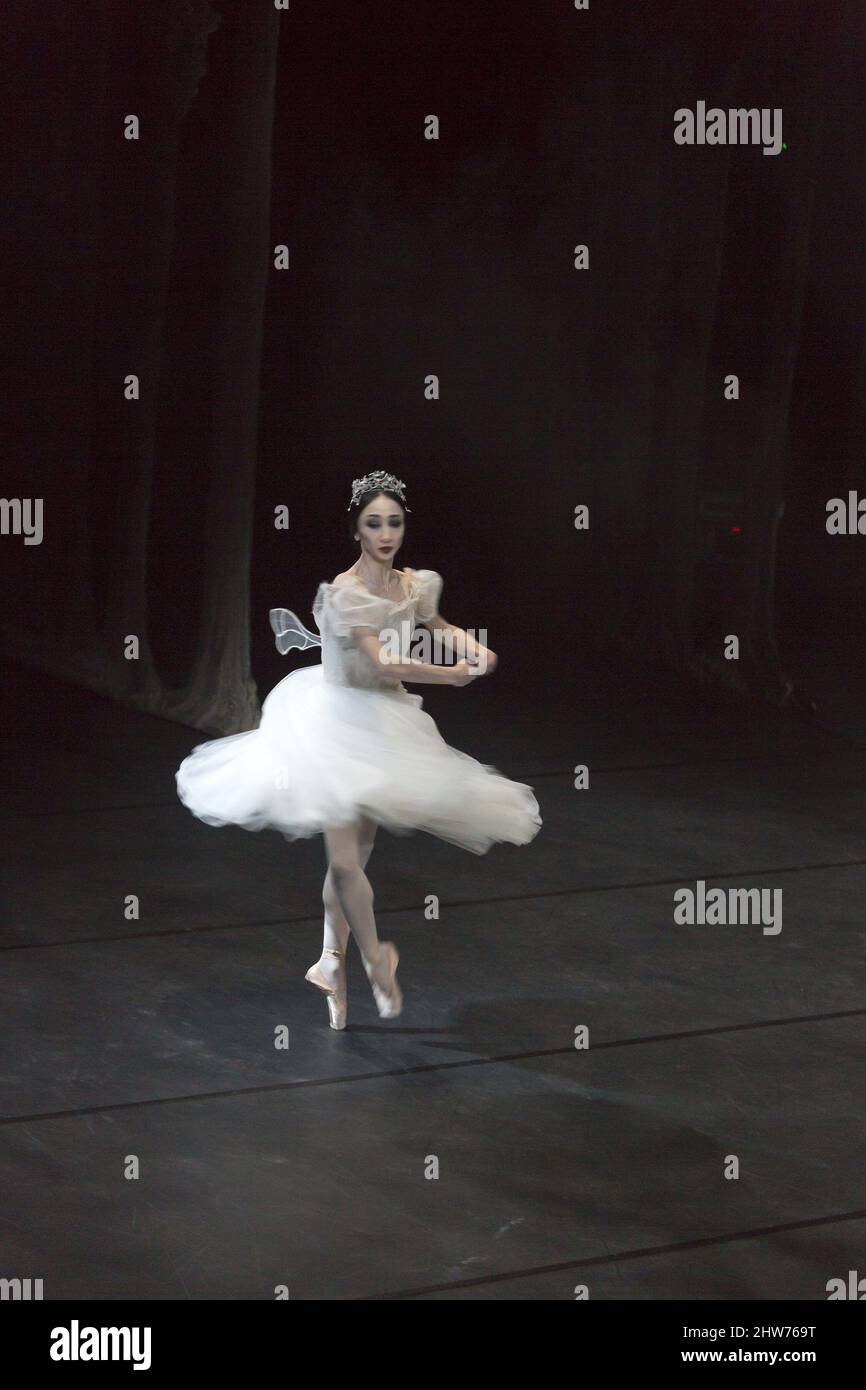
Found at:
(381, 481)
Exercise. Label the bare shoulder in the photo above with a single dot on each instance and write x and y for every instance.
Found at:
(344, 578)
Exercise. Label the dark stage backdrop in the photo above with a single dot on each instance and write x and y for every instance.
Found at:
(409, 257)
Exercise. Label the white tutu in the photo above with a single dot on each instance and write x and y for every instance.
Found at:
(326, 752)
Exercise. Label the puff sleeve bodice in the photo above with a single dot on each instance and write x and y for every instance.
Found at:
(339, 608)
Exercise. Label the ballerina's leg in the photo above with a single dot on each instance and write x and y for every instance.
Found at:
(336, 928)
(347, 856)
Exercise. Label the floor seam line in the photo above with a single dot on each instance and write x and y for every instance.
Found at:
(421, 1069)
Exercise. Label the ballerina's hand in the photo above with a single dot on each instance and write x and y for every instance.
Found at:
(486, 661)
(462, 672)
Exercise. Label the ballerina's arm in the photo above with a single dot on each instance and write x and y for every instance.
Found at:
(366, 639)
(457, 640)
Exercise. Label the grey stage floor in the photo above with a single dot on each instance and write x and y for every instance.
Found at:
(467, 1150)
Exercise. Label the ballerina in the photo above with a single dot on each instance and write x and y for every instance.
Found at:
(343, 747)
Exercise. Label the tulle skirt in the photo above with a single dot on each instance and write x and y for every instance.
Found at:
(324, 754)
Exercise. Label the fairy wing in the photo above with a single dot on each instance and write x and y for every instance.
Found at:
(290, 632)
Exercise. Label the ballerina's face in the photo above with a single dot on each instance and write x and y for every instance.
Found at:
(381, 527)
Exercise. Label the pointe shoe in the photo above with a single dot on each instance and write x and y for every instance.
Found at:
(389, 1000)
(336, 994)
